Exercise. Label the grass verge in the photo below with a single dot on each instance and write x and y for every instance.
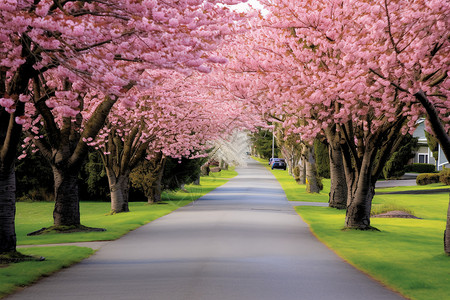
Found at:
(32, 216)
(35, 215)
(22, 274)
(406, 255)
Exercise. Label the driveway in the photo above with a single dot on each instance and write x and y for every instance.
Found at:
(242, 241)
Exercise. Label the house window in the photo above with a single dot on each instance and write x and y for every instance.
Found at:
(423, 158)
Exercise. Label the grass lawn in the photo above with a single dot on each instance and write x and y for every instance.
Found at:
(35, 215)
(32, 216)
(406, 255)
(21, 274)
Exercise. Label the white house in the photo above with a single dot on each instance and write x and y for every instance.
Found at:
(442, 160)
(424, 154)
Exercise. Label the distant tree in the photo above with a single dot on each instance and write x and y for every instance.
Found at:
(322, 158)
(262, 143)
(94, 183)
(178, 172)
(34, 178)
(147, 176)
(433, 143)
(395, 166)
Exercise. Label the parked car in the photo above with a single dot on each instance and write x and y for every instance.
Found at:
(278, 163)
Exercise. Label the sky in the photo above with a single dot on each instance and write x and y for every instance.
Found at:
(244, 6)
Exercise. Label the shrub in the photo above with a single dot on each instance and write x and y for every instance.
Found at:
(395, 166)
(427, 178)
(444, 176)
(420, 168)
(36, 194)
(296, 172)
(322, 158)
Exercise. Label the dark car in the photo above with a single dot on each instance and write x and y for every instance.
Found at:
(278, 163)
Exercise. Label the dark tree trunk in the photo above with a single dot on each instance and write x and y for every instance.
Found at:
(155, 191)
(359, 201)
(312, 178)
(338, 188)
(67, 202)
(7, 211)
(197, 180)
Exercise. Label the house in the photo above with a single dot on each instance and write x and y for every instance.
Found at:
(423, 154)
(442, 160)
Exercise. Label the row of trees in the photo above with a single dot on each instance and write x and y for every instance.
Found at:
(120, 76)
(356, 73)
(107, 74)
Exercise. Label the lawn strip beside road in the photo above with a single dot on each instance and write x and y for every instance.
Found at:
(22, 274)
(32, 216)
(406, 255)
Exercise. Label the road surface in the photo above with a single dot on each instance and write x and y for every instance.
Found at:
(242, 241)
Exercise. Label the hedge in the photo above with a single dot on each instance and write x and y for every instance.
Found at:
(420, 168)
(444, 176)
(427, 178)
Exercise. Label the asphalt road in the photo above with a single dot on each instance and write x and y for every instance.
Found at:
(241, 241)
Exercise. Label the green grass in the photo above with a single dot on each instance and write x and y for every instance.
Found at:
(433, 186)
(22, 274)
(406, 255)
(32, 216)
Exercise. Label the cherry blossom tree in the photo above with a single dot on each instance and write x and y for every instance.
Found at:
(357, 55)
(329, 64)
(81, 45)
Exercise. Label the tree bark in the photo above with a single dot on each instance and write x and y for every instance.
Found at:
(312, 184)
(118, 186)
(197, 180)
(302, 165)
(338, 188)
(154, 193)
(7, 211)
(359, 200)
(67, 202)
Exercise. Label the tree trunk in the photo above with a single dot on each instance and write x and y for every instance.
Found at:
(67, 202)
(154, 193)
(197, 180)
(302, 171)
(338, 188)
(7, 211)
(223, 165)
(447, 232)
(312, 179)
(118, 186)
(359, 201)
